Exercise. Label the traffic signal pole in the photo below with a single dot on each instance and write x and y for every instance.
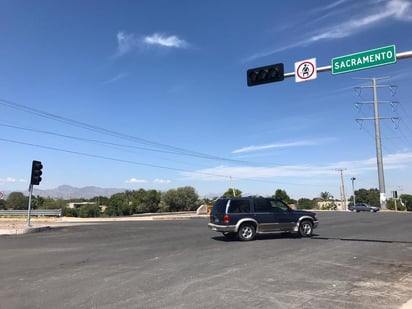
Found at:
(29, 207)
(399, 56)
(343, 64)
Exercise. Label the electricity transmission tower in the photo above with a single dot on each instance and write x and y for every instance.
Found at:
(376, 120)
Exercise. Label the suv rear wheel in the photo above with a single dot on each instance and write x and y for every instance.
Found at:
(306, 228)
(247, 231)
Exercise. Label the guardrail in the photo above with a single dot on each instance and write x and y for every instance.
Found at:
(34, 212)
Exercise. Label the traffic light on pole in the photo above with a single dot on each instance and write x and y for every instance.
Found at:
(267, 74)
(36, 172)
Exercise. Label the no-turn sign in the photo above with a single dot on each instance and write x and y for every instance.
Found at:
(305, 70)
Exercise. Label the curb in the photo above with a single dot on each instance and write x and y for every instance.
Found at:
(68, 221)
(27, 230)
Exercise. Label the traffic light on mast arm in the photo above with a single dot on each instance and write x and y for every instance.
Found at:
(36, 172)
(267, 74)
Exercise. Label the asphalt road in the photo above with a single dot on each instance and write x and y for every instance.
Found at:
(355, 260)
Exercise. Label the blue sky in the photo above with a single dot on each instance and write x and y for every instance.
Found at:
(153, 95)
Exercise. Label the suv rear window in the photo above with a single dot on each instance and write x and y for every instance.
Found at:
(220, 206)
(239, 206)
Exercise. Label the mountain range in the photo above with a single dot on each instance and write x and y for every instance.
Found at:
(68, 192)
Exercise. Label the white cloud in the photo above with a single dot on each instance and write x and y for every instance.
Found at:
(165, 41)
(135, 180)
(12, 180)
(126, 42)
(161, 181)
(374, 14)
(142, 181)
(129, 42)
(279, 145)
(398, 158)
(357, 24)
(400, 9)
(116, 78)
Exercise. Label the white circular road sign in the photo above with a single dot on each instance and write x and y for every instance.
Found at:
(305, 70)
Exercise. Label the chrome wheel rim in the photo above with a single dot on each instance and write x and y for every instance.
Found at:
(306, 228)
(247, 232)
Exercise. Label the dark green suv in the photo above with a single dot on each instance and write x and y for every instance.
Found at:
(245, 217)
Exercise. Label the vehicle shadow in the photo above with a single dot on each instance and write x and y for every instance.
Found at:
(258, 237)
(314, 237)
(317, 237)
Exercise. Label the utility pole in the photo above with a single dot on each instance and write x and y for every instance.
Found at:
(353, 190)
(233, 188)
(343, 194)
(376, 119)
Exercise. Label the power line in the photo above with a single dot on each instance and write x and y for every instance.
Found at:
(144, 164)
(106, 158)
(107, 143)
(79, 124)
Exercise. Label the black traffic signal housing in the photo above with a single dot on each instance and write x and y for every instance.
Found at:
(36, 172)
(267, 74)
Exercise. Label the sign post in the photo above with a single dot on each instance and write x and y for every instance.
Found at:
(363, 60)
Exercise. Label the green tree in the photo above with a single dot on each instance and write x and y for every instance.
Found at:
(150, 201)
(325, 196)
(2, 204)
(87, 211)
(232, 192)
(37, 202)
(180, 199)
(145, 201)
(118, 205)
(407, 200)
(17, 200)
(99, 200)
(70, 212)
(390, 204)
(281, 194)
(305, 203)
(50, 203)
(370, 197)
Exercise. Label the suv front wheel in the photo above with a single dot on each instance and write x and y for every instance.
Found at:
(305, 228)
(247, 231)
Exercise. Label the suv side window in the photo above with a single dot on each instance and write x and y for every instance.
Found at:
(239, 206)
(278, 206)
(262, 205)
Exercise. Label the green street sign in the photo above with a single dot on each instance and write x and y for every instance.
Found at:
(364, 60)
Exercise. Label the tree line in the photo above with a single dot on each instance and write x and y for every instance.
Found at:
(120, 204)
(181, 199)
(367, 196)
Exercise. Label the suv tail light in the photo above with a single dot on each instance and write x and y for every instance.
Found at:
(226, 219)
